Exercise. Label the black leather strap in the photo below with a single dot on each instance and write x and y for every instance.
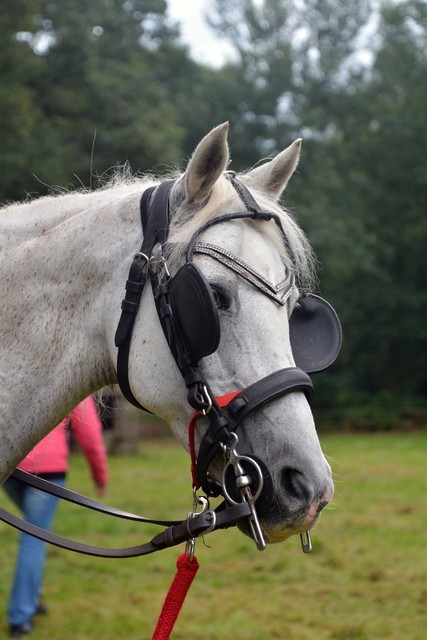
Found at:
(84, 501)
(155, 219)
(176, 532)
(253, 397)
(172, 536)
(244, 194)
(226, 217)
(155, 228)
(262, 391)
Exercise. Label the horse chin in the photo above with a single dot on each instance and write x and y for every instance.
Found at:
(275, 530)
(271, 535)
(278, 534)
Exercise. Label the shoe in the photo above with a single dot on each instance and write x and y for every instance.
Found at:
(18, 630)
(42, 609)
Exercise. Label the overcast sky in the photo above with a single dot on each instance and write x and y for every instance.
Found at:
(204, 46)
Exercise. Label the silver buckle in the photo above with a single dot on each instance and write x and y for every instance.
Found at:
(204, 504)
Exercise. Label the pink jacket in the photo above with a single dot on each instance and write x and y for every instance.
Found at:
(51, 454)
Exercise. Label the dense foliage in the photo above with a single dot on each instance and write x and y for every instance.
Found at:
(86, 86)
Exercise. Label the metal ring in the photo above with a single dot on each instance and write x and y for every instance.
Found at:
(257, 469)
(141, 256)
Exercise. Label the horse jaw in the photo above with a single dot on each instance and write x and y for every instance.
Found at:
(207, 164)
(272, 177)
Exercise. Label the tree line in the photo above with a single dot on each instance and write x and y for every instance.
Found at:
(88, 86)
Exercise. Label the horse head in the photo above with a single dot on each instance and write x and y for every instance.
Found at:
(231, 278)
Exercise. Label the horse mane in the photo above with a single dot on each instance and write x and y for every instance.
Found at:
(20, 221)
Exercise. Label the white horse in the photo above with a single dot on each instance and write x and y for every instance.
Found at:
(63, 263)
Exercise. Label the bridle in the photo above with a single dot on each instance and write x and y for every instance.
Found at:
(187, 312)
(189, 318)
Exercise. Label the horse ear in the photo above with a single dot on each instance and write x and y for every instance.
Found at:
(208, 162)
(272, 177)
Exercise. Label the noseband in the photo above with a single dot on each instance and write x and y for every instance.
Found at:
(188, 315)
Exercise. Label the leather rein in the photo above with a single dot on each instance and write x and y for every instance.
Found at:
(177, 531)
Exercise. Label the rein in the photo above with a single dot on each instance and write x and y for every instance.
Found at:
(177, 531)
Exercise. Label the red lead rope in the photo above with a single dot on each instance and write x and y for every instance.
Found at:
(186, 565)
(185, 574)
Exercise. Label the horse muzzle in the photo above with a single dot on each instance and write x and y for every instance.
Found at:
(279, 526)
(290, 509)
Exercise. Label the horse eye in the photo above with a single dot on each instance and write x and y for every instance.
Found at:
(221, 300)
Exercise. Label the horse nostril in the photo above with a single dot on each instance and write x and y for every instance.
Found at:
(296, 486)
(322, 505)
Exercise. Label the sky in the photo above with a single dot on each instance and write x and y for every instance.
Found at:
(205, 47)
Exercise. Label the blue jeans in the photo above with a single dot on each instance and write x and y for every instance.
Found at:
(38, 508)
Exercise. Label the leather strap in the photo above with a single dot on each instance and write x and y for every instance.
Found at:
(177, 533)
(253, 397)
(226, 217)
(191, 528)
(262, 391)
(83, 501)
(155, 228)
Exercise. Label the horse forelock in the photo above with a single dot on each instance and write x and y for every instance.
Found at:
(299, 256)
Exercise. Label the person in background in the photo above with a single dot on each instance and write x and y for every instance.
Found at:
(49, 459)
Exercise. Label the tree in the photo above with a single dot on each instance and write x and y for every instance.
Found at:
(19, 113)
(292, 59)
(93, 92)
(361, 189)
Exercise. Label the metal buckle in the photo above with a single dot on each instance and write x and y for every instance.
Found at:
(158, 261)
(208, 400)
(204, 503)
(243, 483)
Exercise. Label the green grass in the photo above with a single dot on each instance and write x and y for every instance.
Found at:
(366, 578)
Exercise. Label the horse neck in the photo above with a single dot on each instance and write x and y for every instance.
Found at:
(63, 290)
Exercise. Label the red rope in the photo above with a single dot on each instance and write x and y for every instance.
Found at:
(186, 568)
(186, 572)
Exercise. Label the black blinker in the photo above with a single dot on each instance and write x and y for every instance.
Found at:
(315, 334)
(196, 311)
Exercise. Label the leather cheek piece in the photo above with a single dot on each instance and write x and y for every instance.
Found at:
(195, 309)
(315, 334)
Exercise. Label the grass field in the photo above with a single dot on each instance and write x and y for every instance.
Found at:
(366, 578)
